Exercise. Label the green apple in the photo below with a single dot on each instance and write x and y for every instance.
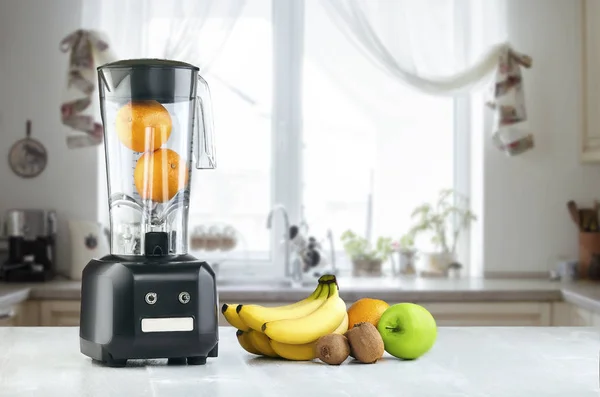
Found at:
(408, 330)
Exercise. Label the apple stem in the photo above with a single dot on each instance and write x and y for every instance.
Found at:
(394, 328)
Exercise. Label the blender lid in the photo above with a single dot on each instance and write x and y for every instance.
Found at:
(162, 80)
(148, 63)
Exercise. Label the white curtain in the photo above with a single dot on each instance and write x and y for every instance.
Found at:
(428, 45)
(413, 41)
(175, 29)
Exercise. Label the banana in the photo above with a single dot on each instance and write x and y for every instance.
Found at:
(256, 315)
(244, 341)
(230, 313)
(305, 352)
(228, 310)
(343, 327)
(261, 343)
(311, 297)
(309, 328)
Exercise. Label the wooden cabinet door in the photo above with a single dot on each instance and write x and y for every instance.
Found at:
(7, 319)
(567, 315)
(25, 314)
(501, 314)
(60, 313)
(580, 317)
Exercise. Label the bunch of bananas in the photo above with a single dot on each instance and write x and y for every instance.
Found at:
(290, 331)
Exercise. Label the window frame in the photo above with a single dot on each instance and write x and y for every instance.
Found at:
(463, 128)
(287, 136)
(287, 139)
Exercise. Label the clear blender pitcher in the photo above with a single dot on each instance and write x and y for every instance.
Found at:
(155, 113)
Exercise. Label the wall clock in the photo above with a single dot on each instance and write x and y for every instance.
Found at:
(28, 157)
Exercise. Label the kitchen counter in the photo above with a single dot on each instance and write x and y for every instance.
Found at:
(466, 361)
(583, 294)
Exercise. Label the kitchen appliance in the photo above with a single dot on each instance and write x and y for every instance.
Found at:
(31, 238)
(150, 299)
(88, 240)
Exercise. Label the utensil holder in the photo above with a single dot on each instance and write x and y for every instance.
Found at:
(589, 245)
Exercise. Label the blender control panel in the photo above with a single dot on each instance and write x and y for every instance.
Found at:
(166, 303)
(169, 324)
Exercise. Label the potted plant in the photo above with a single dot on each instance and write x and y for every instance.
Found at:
(407, 253)
(366, 260)
(445, 219)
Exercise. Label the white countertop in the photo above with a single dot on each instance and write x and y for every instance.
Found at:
(468, 362)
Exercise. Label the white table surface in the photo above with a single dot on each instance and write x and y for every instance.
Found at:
(474, 362)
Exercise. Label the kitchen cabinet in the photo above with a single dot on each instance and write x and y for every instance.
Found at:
(7, 319)
(21, 315)
(500, 314)
(568, 315)
(28, 314)
(59, 313)
(580, 317)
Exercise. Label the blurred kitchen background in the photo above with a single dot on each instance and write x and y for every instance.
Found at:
(324, 154)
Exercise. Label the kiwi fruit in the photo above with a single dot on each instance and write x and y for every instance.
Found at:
(365, 342)
(332, 349)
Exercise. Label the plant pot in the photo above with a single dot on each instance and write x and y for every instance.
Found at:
(366, 267)
(406, 263)
(437, 263)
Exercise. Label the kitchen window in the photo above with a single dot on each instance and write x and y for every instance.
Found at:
(304, 120)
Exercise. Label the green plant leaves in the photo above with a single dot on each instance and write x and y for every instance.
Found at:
(359, 248)
(449, 214)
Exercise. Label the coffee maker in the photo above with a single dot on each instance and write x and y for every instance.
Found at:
(150, 299)
(31, 243)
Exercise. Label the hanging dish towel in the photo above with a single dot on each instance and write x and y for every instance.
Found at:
(79, 111)
(508, 104)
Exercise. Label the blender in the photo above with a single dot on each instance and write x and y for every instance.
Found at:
(149, 298)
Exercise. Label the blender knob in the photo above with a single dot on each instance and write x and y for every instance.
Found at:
(151, 298)
(184, 297)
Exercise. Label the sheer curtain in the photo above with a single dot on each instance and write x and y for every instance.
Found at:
(407, 39)
(192, 31)
(412, 41)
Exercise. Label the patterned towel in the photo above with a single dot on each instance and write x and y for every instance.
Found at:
(88, 49)
(508, 104)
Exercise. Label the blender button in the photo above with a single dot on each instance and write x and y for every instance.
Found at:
(151, 298)
(184, 297)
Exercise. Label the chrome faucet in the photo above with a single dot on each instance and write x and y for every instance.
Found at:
(286, 222)
(332, 251)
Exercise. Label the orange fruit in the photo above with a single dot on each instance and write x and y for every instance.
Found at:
(366, 310)
(143, 126)
(159, 175)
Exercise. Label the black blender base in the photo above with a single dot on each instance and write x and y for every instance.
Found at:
(134, 310)
(109, 361)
